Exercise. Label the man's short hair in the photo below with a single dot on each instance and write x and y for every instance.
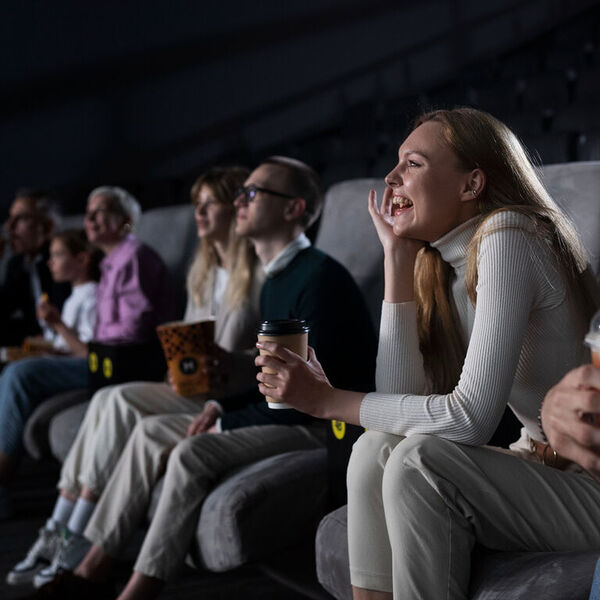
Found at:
(304, 182)
(44, 208)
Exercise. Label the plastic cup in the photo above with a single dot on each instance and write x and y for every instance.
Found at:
(187, 347)
(291, 333)
(592, 339)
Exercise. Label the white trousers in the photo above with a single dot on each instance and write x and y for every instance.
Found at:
(193, 465)
(107, 425)
(417, 505)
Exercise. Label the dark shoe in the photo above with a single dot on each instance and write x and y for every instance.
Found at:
(69, 586)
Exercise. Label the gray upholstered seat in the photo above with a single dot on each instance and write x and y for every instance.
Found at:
(259, 510)
(496, 576)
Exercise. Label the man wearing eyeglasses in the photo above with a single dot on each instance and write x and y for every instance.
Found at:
(29, 227)
(279, 200)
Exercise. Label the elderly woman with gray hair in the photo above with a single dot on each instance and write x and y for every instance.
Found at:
(132, 299)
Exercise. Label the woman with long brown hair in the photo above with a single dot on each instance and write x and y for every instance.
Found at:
(487, 298)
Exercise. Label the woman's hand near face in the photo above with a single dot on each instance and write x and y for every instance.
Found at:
(399, 253)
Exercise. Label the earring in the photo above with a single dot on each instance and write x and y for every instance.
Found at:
(474, 193)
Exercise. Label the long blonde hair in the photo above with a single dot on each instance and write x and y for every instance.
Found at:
(223, 182)
(480, 141)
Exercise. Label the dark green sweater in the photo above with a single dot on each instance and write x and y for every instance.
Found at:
(318, 289)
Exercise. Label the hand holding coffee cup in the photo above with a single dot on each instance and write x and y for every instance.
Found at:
(290, 333)
(288, 378)
(568, 417)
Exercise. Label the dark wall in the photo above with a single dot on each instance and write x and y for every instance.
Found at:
(146, 94)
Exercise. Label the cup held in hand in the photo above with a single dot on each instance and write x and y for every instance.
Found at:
(592, 339)
(290, 333)
(187, 347)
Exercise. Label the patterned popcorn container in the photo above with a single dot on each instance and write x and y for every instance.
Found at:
(187, 348)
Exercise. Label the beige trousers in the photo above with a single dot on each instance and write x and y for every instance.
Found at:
(194, 465)
(417, 505)
(107, 425)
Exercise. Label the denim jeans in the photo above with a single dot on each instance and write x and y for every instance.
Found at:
(25, 384)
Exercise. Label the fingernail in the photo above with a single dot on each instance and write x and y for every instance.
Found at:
(259, 345)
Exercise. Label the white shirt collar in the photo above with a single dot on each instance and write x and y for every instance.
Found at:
(285, 257)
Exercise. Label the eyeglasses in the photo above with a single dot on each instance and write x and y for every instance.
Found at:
(249, 193)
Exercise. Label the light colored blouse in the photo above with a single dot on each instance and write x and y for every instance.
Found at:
(522, 336)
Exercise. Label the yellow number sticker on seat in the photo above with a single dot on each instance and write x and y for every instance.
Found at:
(107, 368)
(339, 429)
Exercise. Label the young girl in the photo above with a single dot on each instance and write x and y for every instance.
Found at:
(224, 282)
(72, 260)
(487, 297)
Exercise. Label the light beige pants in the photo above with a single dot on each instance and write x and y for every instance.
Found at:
(107, 425)
(417, 505)
(194, 465)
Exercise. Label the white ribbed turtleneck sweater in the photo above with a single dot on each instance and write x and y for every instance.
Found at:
(522, 338)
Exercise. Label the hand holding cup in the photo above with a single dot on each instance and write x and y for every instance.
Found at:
(48, 312)
(565, 417)
(298, 383)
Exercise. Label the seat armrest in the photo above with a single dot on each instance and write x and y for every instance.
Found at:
(36, 434)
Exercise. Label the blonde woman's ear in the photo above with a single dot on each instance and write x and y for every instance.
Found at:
(474, 185)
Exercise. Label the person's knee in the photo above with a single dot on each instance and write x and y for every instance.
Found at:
(16, 371)
(186, 464)
(369, 455)
(413, 462)
(123, 398)
(148, 428)
(100, 400)
(184, 449)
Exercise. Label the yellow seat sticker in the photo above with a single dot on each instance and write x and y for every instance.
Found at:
(93, 362)
(107, 368)
(339, 429)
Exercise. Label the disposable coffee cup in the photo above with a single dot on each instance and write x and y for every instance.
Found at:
(291, 333)
(187, 348)
(592, 339)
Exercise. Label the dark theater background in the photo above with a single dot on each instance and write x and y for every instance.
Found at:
(146, 95)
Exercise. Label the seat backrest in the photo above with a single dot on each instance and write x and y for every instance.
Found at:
(171, 231)
(347, 234)
(575, 187)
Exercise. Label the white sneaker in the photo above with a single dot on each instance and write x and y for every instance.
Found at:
(73, 547)
(39, 555)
